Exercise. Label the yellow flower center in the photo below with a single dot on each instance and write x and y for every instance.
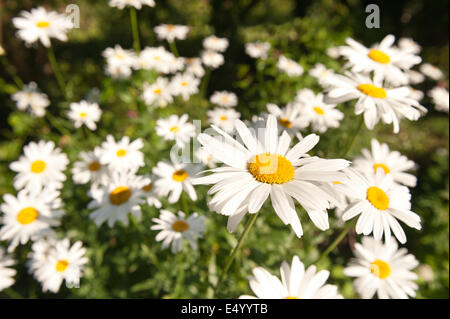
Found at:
(156, 58)
(372, 90)
(157, 91)
(271, 168)
(147, 188)
(379, 56)
(94, 166)
(337, 182)
(62, 265)
(83, 114)
(384, 167)
(175, 129)
(38, 166)
(224, 99)
(180, 175)
(184, 83)
(120, 195)
(121, 152)
(170, 27)
(43, 24)
(27, 215)
(377, 198)
(285, 122)
(119, 56)
(380, 269)
(180, 226)
(223, 118)
(290, 297)
(318, 110)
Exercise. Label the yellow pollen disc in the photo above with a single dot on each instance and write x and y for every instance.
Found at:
(121, 152)
(378, 198)
(180, 226)
(170, 27)
(271, 168)
(285, 122)
(94, 166)
(43, 24)
(184, 83)
(224, 98)
(38, 166)
(384, 167)
(223, 118)
(289, 297)
(318, 110)
(380, 269)
(180, 175)
(83, 114)
(175, 129)
(379, 56)
(27, 215)
(157, 58)
(147, 188)
(62, 265)
(337, 182)
(372, 90)
(157, 91)
(120, 195)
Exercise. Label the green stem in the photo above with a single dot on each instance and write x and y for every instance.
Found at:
(353, 138)
(336, 242)
(173, 48)
(54, 122)
(10, 69)
(180, 276)
(235, 250)
(205, 81)
(56, 71)
(13, 294)
(184, 203)
(135, 30)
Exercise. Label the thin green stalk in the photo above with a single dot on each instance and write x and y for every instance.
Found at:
(135, 30)
(235, 250)
(57, 71)
(205, 81)
(12, 293)
(336, 242)
(180, 276)
(184, 203)
(173, 48)
(9, 68)
(353, 138)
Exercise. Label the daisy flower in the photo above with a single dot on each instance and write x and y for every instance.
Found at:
(390, 162)
(439, 95)
(212, 59)
(375, 101)
(257, 49)
(158, 93)
(29, 216)
(176, 227)
(41, 165)
(415, 94)
(40, 25)
(147, 186)
(173, 179)
(194, 66)
(170, 32)
(176, 128)
(119, 61)
(121, 195)
(320, 115)
(224, 98)
(384, 269)
(31, 99)
(266, 167)
(289, 66)
(431, 71)
(120, 4)
(85, 113)
(122, 155)
(410, 45)
(415, 77)
(6, 272)
(295, 283)
(321, 73)
(223, 118)
(214, 43)
(89, 168)
(288, 117)
(185, 85)
(204, 157)
(380, 203)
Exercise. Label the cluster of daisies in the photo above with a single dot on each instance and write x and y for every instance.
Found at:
(246, 162)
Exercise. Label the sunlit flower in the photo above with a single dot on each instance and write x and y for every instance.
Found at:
(410, 45)
(120, 4)
(257, 49)
(439, 96)
(185, 85)
(89, 169)
(212, 59)
(6, 272)
(431, 71)
(122, 155)
(176, 129)
(31, 99)
(204, 157)
(223, 118)
(288, 117)
(321, 73)
(120, 62)
(224, 98)
(158, 93)
(85, 113)
(170, 32)
(147, 186)
(194, 66)
(215, 44)
(415, 77)
(289, 66)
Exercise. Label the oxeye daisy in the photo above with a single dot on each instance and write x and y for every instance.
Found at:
(170, 32)
(439, 95)
(148, 190)
(173, 179)
(288, 117)
(31, 99)
(257, 49)
(158, 93)
(185, 85)
(176, 128)
(6, 272)
(390, 162)
(212, 59)
(41, 25)
(120, 4)
(120, 62)
(384, 269)
(380, 203)
(266, 167)
(321, 73)
(289, 66)
(431, 71)
(415, 77)
(410, 45)
(122, 155)
(194, 66)
(223, 118)
(295, 283)
(29, 216)
(176, 227)
(85, 113)
(204, 157)
(156, 59)
(120, 195)
(374, 100)
(41, 165)
(224, 98)
(214, 43)
(89, 169)
(63, 262)
(415, 94)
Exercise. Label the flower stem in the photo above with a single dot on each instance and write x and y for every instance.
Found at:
(180, 276)
(235, 250)
(11, 70)
(135, 30)
(336, 242)
(173, 48)
(353, 138)
(205, 81)
(184, 203)
(56, 70)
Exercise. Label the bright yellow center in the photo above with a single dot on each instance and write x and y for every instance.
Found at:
(120, 195)
(82, 114)
(180, 175)
(62, 265)
(285, 122)
(223, 118)
(170, 27)
(38, 166)
(157, 91)
(184, 83)
(380, 269)
(156, 58)
(271, 168)
(224, 99)
(121, 152)
(180, 226)
(379, 56)
(94, 166)
(372, 90)
(147, 188)
(27, 215)
(384, 167)
(290, 297)
(378, 198)
(337, 182)
(318, 110)
(43, 24)
(175, 129)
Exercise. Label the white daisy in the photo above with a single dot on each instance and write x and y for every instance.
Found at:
(159, 59)
(380, 202)
(85, 113)
(174, 228)
(431, 71)
(158, 93)
(288, 117)
(212, 59)
(40, 25)
(194, 66)
(31, 99)
(321, 73)
(147, 186)
(41, 165)
(120, 4)
(409, 44)
(223, 118)
(333, 52)
(170, 32)
(214, 43)
(120, 62)
(173, 179)
(415, 94)
(289, 66)
(296, 283)
(89, 168)
(439, 95)
(122, 155)
(390, 162)
(257, 49)
(176, 128)
(415, 77)
(6, 272)
(383, 268)
(265, 166)
(202, 155)
(118, 71)
(224, 98)
(184, 84)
